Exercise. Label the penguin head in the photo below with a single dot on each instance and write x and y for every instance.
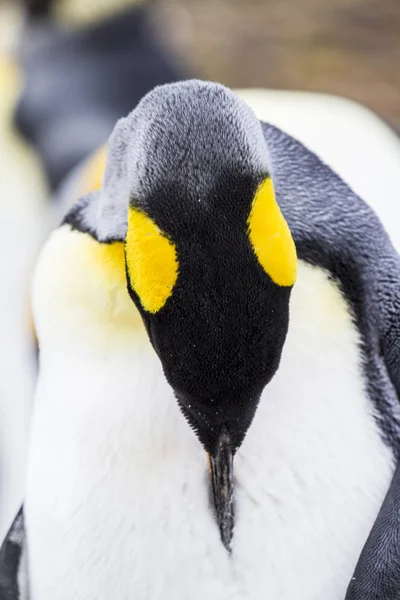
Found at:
(210, 260)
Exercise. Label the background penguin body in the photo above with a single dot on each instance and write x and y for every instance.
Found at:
(22, 219)
(316, 462)
(79, 82)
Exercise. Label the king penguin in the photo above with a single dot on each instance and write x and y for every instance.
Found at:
(217, 409)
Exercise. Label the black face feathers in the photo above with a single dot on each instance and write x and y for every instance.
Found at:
(220, 334)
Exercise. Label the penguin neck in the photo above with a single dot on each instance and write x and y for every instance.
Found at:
(87, 324)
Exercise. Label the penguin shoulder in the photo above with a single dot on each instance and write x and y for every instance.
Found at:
(79, 287)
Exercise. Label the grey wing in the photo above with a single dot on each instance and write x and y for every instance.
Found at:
(377, 574)
(13, 575)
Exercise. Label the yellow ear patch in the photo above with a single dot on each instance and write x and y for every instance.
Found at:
(270, 237)
(151, 261)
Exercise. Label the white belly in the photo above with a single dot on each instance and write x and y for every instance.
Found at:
(118, 497)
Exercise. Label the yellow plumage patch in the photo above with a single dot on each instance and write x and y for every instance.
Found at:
(110, 258)
(270, 237)
(80, 289)
(151, 260)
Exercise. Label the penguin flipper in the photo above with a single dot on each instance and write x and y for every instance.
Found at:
(377, 574)
(13, 575)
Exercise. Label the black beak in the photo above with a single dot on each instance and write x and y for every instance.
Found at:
(221, 463)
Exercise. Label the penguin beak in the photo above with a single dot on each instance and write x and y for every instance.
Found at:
(221, 464)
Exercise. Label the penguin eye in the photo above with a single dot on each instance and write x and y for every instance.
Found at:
(151, 260)
(270, 236)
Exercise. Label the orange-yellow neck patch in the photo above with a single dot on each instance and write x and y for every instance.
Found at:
(270, 237)
(151, 260)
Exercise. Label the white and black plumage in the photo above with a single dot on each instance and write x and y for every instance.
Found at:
(160, 302)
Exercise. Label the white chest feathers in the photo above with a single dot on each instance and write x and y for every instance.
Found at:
(118, 493)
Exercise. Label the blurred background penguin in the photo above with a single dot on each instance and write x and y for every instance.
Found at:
(70, 68)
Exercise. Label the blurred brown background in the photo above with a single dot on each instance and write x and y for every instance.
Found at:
(345, 47)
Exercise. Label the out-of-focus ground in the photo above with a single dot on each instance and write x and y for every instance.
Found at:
(345, 47)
